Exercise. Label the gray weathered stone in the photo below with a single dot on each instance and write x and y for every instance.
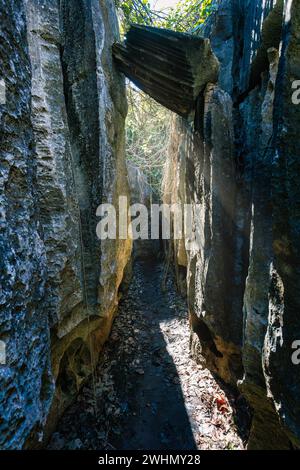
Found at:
(241, 164)
(62, 154)
(26, 381)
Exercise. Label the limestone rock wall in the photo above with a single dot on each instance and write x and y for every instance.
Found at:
(62, 154)
(240, 162)
(26, 381)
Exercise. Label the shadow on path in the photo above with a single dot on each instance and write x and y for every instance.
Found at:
(150, 394)
(156, 416)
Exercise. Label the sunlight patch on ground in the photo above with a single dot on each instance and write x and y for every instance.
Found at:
(209, 411)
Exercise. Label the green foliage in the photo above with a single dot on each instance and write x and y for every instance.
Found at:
(147, 129)
(147, 135)
(186, 16)
(136, 11)
(189, 15)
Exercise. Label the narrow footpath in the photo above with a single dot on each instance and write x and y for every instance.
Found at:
(150, 394)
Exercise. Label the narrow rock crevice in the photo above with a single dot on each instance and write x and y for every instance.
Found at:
(149, 393)
(173, 367)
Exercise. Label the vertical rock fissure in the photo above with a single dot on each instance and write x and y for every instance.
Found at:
(81, 97)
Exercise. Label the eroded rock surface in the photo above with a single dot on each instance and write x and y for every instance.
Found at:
(62, 154)
(240, 163)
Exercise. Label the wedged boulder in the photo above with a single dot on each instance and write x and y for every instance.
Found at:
(171, 67)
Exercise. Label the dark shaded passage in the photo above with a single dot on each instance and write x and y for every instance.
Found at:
(157, 417)
(149, 392)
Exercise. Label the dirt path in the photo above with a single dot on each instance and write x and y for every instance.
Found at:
(150, 393)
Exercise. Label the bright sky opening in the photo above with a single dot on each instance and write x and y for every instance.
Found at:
(160, 5)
